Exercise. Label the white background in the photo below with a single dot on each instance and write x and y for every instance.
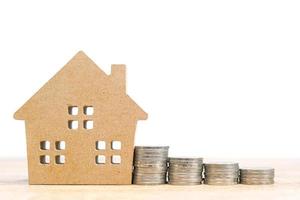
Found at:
(217, 78)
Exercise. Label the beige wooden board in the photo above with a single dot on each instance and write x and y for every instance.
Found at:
(14, 185)
(80, 106)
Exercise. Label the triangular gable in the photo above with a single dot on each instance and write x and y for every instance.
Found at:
(79, 65)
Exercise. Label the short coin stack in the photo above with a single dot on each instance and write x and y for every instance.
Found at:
(185, 171)
(257, 176)
(150, 165)
(221, 173)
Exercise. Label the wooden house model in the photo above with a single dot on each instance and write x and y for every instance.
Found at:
(80, 126)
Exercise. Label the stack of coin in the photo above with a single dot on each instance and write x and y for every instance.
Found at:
(185, 171)
(257, 176)
(221, 173)
(150, 165)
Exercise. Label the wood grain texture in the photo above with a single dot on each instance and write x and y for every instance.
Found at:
(14, 185)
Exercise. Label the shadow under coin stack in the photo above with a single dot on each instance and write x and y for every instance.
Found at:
(257, 176)
(221, 173)
(150, 165)
(185, 171)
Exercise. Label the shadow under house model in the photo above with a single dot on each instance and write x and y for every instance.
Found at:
(80, 126)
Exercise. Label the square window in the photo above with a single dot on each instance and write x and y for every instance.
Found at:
(73, 110)
(60, 159)
(45, 145)
(116, 145)
(73, 124)
(88, 110)
(100, 159)
(88, 124)
(44, 159)
(116, 159)
(60, 145)
(100, 145)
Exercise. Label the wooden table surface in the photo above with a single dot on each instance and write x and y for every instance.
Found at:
(13, 185)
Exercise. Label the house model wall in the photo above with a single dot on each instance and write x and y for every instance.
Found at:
(80, 126)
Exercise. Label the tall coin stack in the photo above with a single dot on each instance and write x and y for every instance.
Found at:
(185, 171)
(150, 165)
(221, 173)
(257, 176)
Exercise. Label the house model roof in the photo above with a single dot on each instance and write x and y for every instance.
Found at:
(76, 77)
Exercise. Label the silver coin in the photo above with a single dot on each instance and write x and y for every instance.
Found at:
(218, 181)
(221, 165)
(185, 160)
(187, 179)
(219, 172)
(222, 176)
(185, 171)
(257, 169)
(184, 183)
(256, 175)
(149, 171)
(150, 165)
(152, 147)
(257, 182)
(137, 182)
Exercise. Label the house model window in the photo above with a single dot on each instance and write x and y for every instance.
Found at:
(115, 147)
(45, 145)
(72, 124)
(60, 145)
(45, 149)
(100, 159)
(88, 124)
(116, 159)
(100, 145)
(45, 159)
(74, 111)
(88, 110)
(60, 159)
